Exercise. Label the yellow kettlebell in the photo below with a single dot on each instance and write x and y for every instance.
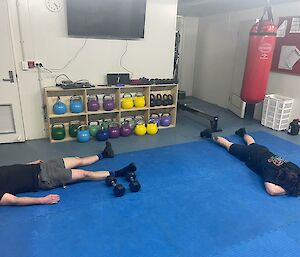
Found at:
(139, 100)
(127, 101)
(140, 128)
(152, 127)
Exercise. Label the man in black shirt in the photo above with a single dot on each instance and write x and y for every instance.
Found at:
(280, 176)
(39, 175)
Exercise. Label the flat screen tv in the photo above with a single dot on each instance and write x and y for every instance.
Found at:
(119, 19)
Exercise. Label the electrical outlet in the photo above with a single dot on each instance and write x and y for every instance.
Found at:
(24, 65)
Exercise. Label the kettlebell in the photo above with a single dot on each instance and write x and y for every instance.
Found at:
(76, 105)
(140, 128)
(156, 117)
(165, 100)
(83, 134)
(294, 127)
(58, 131)
(152, 127)
(93, 103)
(131, 122)
(127, 101)
(125, 129)
(165, 120)
(170, 100)
(114, 130)
(108, 103)
(73, 126)
(158, 101)
(139, 100)
(102, 134)
(106, 123)
(94, 126)
(59, 107)
(152, 100)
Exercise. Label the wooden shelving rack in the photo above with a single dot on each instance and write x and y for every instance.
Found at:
(116, 115)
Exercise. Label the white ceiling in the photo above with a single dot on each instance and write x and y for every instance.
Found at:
(210, 7)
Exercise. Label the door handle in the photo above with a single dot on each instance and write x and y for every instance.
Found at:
(11, 77)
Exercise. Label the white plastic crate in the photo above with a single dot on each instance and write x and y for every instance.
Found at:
(276, 111)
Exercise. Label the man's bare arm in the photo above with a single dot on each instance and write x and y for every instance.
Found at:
(35, 162)
(9, 199)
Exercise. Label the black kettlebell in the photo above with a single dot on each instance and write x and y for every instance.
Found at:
(165, 100)
(152, 100)
(159, 100)
(294, 127)
(170, 100)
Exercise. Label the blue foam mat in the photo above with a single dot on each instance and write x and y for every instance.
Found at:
(196, 200)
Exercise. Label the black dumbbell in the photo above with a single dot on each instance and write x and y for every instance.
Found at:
(134, 184)
(119, 190)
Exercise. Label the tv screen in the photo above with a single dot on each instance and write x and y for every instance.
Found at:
(124, 19)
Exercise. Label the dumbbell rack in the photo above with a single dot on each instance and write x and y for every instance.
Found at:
(117, 115)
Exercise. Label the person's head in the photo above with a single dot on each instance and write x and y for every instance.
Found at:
(289, 177)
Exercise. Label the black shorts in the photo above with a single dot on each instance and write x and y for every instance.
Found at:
(54, 174)
(242, 152)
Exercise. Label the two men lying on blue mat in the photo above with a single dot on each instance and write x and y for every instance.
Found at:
(280, 176)
(40, 175)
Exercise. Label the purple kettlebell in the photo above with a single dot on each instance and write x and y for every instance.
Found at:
(108, 103)
(114, 130)
(165, 120)
(155, 116)
(93, 103)
(125, 129)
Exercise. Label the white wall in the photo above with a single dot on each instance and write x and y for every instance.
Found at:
(216, 46)
(46, 40)
(188, 54)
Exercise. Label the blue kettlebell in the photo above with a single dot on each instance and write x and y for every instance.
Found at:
(76, 105)
(102, 134)
(83, 134)
(59, 107)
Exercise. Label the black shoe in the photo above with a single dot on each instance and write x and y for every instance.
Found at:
(207, 133)
(108, 152)
(241, 132)
(124, 171)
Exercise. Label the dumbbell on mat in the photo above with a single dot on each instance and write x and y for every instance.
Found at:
(134, 184)
(119, 190)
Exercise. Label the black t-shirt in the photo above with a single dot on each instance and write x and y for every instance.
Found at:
(267, 165)
(19, 178)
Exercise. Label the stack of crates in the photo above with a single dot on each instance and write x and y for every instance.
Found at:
(276, 112)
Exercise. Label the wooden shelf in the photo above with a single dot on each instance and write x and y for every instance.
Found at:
(118, 114)
(103, 111)
(162, 107)
(171, 126)
(135, 109)
(68, 114)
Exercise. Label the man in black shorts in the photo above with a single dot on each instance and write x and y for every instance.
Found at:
(280, 176)
(40, 175)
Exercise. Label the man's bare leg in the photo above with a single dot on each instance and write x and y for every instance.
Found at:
(74, 162)
(248, 139)
(80, 175)
(243, 134)
(222, 141)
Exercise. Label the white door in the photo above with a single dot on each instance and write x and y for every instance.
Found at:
(236, 105)
(11, 123)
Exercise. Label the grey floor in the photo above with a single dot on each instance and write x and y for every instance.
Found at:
(187, 130)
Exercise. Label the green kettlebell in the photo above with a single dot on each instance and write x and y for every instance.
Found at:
(73, 127)
(58, 131)
(94, 126)
(105, 124)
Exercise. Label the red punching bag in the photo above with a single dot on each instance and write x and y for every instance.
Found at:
(259, 59)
